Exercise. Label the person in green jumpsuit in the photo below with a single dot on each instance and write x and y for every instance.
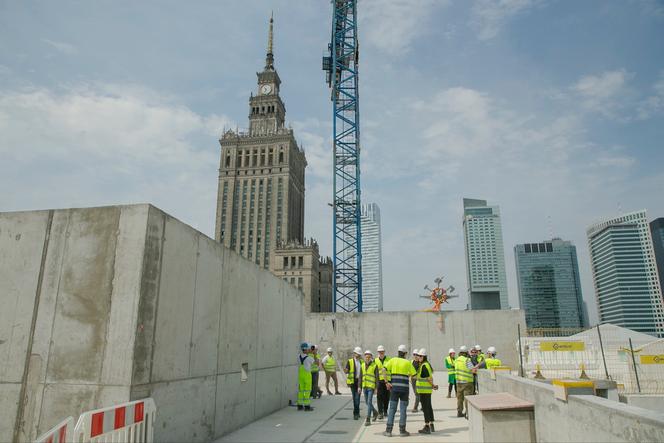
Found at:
(304, 378)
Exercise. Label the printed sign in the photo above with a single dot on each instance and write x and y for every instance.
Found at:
(562, 346)
(652, 359)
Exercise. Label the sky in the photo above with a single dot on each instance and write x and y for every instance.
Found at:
(553, 110)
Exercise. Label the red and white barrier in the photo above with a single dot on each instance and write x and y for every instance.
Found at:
(60, 433)
(131, 422)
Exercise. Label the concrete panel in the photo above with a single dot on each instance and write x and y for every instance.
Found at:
(236, 403)
(268, 393)
(270, 320)
(21, 242)
(149, 292)
(289, 383)
(176, 303)
(292, 324)
(239, 310)
(205, 333)
(9, 395)
(117, 365)
(185, 410)
(84, 296)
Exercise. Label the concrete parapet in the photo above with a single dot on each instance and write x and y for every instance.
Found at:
(581, 418)
(106, 305)
(437, 332)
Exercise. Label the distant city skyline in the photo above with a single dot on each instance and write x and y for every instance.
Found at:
(551, 110)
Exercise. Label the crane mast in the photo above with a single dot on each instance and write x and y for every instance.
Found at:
(341, 66)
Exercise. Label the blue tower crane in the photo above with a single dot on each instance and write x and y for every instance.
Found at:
(342, 77)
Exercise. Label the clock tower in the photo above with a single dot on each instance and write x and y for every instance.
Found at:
(266, 110)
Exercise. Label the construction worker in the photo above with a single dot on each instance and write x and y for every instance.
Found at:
(315, 368)
(330, 368)
(383, 398)
(304, 378)
(451, 379)
(477, 358)
(416, 364)
(353, 372)
(491, 361)
(425, 386)
(369, 379)
(400, 371)
(464, 369)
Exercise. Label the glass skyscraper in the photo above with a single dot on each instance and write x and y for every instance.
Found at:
(549, 284)
(485, 256)
(625, 274)
(372, 259)
(657, 233)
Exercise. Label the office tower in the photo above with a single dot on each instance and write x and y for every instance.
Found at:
(549, 284)
(625, 273)
(372, 261)
(485, 257)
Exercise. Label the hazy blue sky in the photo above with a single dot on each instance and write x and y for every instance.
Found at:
(553, 110)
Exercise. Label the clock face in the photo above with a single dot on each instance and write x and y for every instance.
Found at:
(266, 89)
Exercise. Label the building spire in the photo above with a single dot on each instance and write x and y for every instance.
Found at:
(269, 60)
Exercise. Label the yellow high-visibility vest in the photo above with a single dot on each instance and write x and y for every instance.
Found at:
(423, 385)
(463, 374)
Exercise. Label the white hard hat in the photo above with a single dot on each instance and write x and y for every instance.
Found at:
(368, 351)
(451, 351)
(314, 346)
(381, 348)
(357, 350)
(415, 351)
(422, 352)
(402, 348)
(329, 349)
(491, 350)
(463, 349)
(478, 348)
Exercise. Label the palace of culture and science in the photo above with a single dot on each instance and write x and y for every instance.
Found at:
(260, 199)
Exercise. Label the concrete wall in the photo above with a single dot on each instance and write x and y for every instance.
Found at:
(437, 332)
(103, 305)
(652, 402)
(582, 418)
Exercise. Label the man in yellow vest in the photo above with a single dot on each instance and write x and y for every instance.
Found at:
(383, 398)
(369, 380)
(353, 372)
(464, 370)
(315, 368)
(330, 368)
(304, 378)
(451, 379)
(400, 370)
(491, 361)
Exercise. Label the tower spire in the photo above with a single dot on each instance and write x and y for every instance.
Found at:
(269, 59)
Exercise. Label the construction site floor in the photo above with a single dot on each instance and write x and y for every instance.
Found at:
(332, 421)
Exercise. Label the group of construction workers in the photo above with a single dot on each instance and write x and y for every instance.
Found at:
(390, 379)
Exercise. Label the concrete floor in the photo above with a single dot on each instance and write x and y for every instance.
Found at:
(332, 421)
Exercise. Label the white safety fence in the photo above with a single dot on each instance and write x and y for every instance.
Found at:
(131, 422)
(60, 433)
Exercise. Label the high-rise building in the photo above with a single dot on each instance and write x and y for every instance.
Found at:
(260, 199)
(549, 284)
(485, 256)
(372, 259)
(325, 300)
(625, 274)
(657, 234)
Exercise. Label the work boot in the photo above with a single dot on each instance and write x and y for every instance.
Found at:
(380, 416)
(308, 408)
(388, 432)
(337, 393)
(300, 407)
(431, 428)
(356, 417)
(425, 430)
(414, 410)
(460, 414)
(449, 396)
(375, 414)
(329, 392)
(367, 421)
(403, 432)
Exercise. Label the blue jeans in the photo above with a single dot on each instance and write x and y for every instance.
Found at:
(356, 399)
(368, 396)
(402, 399)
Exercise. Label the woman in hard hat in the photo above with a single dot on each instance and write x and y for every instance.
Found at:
(330, 368)
(424, 387)
(451, 374)
(369, 381)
